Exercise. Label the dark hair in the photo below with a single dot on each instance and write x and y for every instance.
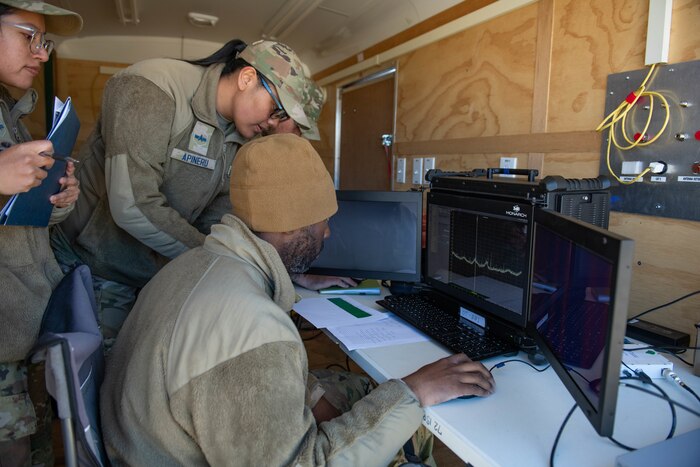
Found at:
(227, 54)
(5, 10)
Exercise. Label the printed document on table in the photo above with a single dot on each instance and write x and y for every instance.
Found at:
(389, 331)
(336, 311)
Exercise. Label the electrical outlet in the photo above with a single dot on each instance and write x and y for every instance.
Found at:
(509, 162)
(418, 171)
(428, 164)
(401, 170)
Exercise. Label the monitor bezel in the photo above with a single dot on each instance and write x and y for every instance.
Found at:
(414, 198)
(619, 251)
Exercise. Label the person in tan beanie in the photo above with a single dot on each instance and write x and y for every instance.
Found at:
(209, 368)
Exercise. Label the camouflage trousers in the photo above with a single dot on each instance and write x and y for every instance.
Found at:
(114, 300)
(343, 389)
(25, 416)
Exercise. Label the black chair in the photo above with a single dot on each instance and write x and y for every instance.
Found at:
(71, 344)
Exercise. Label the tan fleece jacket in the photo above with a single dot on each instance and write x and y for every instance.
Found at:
(155, 171)
(209, 369)
(28, 269)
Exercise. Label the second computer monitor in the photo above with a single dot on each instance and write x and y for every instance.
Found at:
(374, 235)
(578, 309)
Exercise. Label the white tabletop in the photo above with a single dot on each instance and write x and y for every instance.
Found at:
(517, 425)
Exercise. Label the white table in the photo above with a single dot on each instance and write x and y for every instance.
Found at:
(517, 425)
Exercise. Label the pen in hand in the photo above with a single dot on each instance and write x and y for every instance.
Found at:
(56, 157)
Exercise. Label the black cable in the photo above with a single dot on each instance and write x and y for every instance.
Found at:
(690, 390)
(672, 404)
(662, 348)
(305, 339)
(683, 360)
(561, 430)
(644, 378)
(675, 403)
(631, 371)
(571, 370)
(328, 367)
(501, 364)
(664, 305)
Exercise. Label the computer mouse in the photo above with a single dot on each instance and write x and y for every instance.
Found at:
(537, 358)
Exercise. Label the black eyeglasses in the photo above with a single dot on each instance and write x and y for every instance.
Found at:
(37, 40)
(278, 113)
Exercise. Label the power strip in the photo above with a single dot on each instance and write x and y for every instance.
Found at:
(655, 334)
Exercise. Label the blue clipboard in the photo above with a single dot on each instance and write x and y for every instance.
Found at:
(33, 208)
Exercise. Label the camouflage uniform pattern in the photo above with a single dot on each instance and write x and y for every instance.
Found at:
(58, 20)
(17, 418)
(343, 389)
(25, 409)
(301, 97)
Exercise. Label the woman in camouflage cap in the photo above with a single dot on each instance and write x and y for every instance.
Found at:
(28, 270)
(156, 169)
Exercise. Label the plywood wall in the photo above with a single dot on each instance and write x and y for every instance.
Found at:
(532, 84)
(84, 81)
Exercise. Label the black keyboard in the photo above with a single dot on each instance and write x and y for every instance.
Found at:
(426, 315)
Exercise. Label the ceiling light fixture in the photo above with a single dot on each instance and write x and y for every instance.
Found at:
(288, 18)
(201, 20)
(127, 11)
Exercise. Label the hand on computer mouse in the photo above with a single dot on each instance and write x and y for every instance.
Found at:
(316, 282)
(448, 378)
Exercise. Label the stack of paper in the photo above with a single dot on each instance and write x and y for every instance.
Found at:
(33, 207)
(355, 325)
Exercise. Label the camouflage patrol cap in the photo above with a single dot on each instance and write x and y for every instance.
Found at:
(58, 20)
(300, 96)
(312, 107)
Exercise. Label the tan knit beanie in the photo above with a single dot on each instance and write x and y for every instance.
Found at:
(279, 184)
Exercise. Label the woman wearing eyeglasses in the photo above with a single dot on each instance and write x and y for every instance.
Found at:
(155, 171)
(28, 270)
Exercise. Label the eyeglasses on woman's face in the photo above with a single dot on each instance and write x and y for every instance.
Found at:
(278, 113)
(36, 39)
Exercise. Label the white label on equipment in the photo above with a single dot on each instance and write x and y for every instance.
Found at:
(473, 317)
(658, 179)
(688, 178)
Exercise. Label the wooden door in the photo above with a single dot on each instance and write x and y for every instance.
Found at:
(367, 114)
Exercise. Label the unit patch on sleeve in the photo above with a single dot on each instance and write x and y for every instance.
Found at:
(199, 139)
(193, 159)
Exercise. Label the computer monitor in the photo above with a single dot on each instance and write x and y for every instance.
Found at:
(478, 252)
(374, 235)
(578, 309)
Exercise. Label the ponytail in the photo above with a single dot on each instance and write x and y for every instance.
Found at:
(227, 54)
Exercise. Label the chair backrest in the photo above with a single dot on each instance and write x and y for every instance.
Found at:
(71, 343)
